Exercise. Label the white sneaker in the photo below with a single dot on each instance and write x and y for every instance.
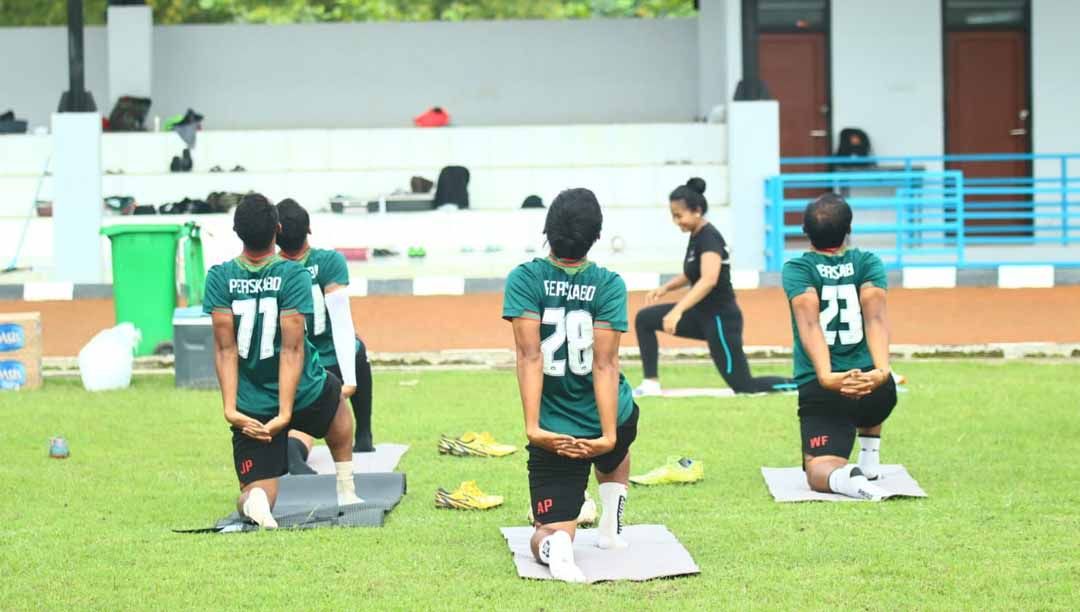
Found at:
(648, 388)
(257, 508)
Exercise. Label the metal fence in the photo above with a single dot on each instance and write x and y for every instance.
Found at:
(913, 211)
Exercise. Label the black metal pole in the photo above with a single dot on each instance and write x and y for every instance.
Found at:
(751, 87)
(76, 99)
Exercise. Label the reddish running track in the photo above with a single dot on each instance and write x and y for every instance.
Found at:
(409, 323)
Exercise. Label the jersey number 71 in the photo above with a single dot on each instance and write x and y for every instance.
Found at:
(246, 310)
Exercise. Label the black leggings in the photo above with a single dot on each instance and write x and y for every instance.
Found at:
(722, 331)
(361, 400)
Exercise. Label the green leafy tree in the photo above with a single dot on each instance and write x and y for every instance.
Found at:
(54, 12)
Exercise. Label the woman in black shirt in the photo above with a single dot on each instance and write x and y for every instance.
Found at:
(708, 311)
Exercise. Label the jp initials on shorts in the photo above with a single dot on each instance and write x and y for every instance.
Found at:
(255, 460)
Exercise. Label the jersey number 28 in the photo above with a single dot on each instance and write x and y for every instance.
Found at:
(575, 329)
(850, 314)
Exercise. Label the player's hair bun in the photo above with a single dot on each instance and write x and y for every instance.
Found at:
(697, 184)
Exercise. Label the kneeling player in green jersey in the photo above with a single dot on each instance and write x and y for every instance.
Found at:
(568, 315)
(341, 351)
(841, 332)
(269, 372)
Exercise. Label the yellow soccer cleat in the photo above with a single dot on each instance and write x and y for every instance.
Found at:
(488, 444)
(587, 516)
(675, 471)
(472, 444)
(449, 446)
(468, 496)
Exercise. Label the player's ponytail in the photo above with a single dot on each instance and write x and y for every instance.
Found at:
(692, 195)
(573, 223)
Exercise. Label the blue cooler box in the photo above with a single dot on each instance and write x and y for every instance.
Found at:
(193, 342)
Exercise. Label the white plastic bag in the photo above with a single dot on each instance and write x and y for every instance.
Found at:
(106, 361)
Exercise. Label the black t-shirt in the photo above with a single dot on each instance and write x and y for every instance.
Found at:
(709, 240)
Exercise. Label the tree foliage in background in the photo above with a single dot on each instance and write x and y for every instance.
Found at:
(54, 12)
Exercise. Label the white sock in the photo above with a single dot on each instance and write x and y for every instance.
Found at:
(346, 487)
(613, 502)
(869, 457)
(849, 480)
(257, 508)
(557, 552)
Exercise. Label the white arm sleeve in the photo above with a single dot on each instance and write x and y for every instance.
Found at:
(341, 326)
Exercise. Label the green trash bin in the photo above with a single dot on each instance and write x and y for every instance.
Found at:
(144, 279)
(194, 269)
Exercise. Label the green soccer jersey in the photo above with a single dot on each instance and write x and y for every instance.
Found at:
(256, 295)
(569, 301)
(326, 268)
(837, 280)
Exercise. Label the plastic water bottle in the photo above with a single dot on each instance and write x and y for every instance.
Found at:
(58, 448)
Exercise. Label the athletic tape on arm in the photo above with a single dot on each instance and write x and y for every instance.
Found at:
(341, 326)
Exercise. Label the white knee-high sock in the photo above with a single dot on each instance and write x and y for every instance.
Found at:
(346, 487)
(849, 480)
(613, 502)
(257, 508)
(869, 456)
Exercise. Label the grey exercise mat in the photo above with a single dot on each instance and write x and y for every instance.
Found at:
(384, 459)
(307, 502)
(789, 485)
(654, 552)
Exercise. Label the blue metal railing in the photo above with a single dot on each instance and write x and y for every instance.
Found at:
(911, 211)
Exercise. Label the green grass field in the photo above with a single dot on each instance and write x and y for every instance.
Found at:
(994, 444)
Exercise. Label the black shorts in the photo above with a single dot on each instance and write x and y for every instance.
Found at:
(828, 421)
(256, 460)
(557, 484)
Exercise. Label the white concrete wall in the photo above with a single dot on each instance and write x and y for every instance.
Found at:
(384, 74)
(887, 74)
(1055, 48)
(34, 71)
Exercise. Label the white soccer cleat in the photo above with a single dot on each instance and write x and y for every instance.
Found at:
(257, 508)
(648, 388)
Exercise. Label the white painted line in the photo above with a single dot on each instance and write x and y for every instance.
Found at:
(745, 279)
(641, 281)
(357, 287)
(439, 285)
(43, 291)
(943, 277)
(1019, 277)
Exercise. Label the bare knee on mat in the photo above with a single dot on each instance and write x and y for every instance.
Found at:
(818, 470)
